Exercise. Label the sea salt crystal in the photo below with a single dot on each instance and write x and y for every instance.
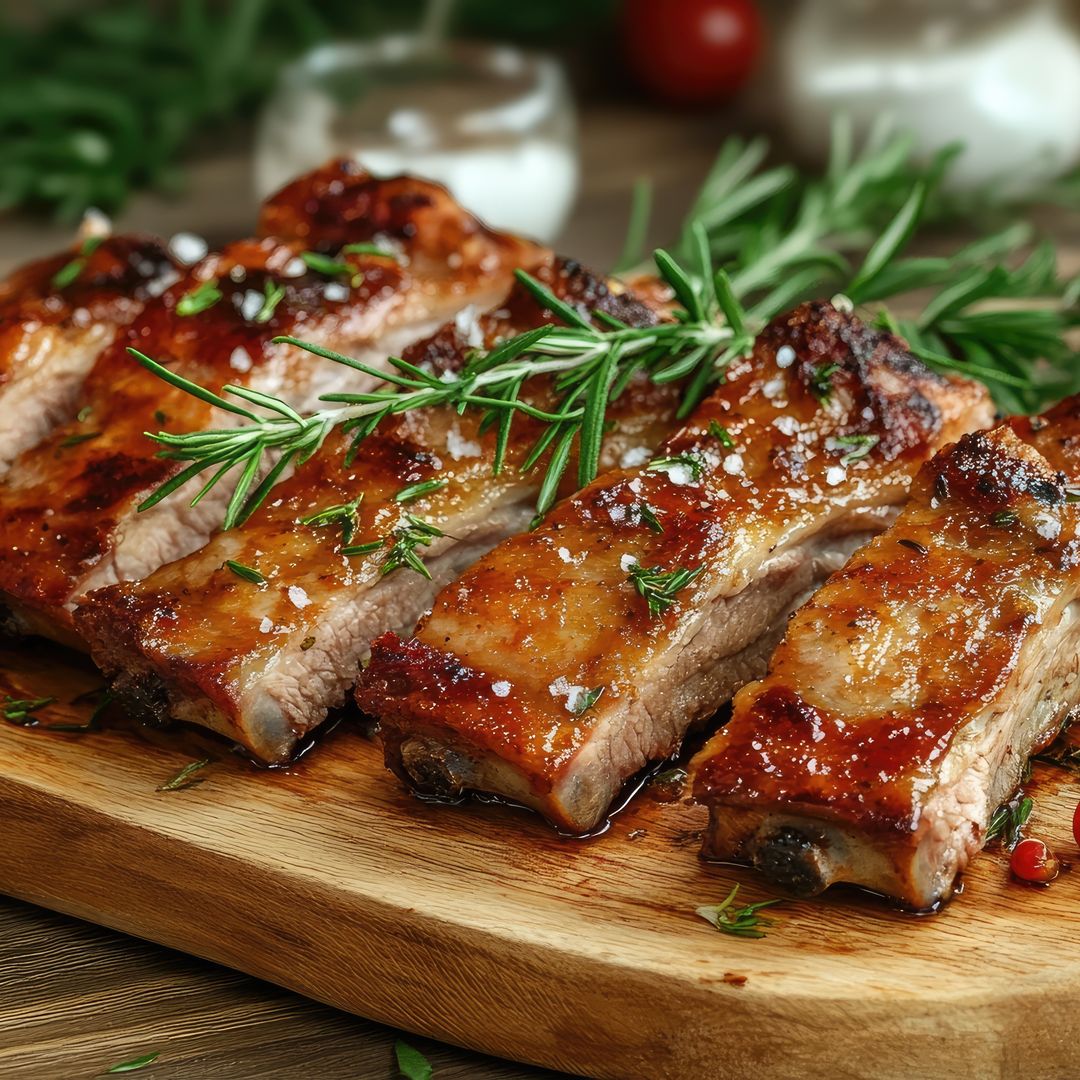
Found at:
(564, 554)
(240, 359)
(460, 447)
(187, 248)
(501, 688)
(251, 304)
(835, 474)
(680, 475)
(335, 292)
(1047, 527)
(468, 327)
(627, 563)
(733, 464)
(95, 223)
(785, 356)
(562, 687)
(636, 455)
(295, 267)
(266, 625)
(786, 425)
(774, 388)
(298, 597)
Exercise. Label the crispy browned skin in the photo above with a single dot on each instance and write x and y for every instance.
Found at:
(483, 696)
(907, 695)
(263, 663)
(51, 334)
(68, 517)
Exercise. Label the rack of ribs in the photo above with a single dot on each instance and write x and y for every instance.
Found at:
(907, 695)
(571, 656)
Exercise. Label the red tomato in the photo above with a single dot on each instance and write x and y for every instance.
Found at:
(691, 51)
(1033, 861)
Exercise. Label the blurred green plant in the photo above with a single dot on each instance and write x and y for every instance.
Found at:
(105, 100)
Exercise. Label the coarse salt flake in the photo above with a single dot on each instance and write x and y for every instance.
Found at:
(187, 248)
(298, 597)
(335, 292)
(251, 304)
(562, 687)
(785, 356)
(239, 359)
(627, 563)
(266, 625)
(733, 464)
(835, 474)
(501, 688)
(636, 455)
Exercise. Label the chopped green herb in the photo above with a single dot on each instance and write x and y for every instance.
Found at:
(407, 538)
(861, 446)
(344, 514)
(739, 922)
(84, 413)
(1002, 519)
(186, 778)
(658, 587)
(323, 264)
(690, 462)
(74, 440)
(369, 249)
(1008, 820)
(411, 1063)
(722, 435)
(821, 381)
(672, 776)
(160, 417)
(135, 1064)
(648, 518)
(363, 549)
(70, 272)
(273, 294)
(415, 491)
(18, 710)
(248, 573)
(199, 299)
(587, 700)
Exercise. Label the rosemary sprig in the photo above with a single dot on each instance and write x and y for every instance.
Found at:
(19, 710)
(247, 573)
(135, 1064)
(588, 366)
(273, 294)
(412, 533)
(343, 514)
(1008, 820)
(659, 587)
(71, 271)
(739, 922)
(186, 777)
(198, 299)
(417, 491)
(861, 445)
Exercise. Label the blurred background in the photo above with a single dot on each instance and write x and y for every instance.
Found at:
(179, 115)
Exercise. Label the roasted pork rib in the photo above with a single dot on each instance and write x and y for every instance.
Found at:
(262, 663)
(57, 316)
(907, 695)
(68, 507)
(571, 656)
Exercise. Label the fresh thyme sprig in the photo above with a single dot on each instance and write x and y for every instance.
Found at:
(739, 922)
(658, 587)
(587, 366)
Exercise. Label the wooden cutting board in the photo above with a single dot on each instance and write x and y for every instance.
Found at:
(478, 926)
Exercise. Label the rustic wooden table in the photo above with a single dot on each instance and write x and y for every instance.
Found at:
(74, 998)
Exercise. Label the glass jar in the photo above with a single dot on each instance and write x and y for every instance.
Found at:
(1000, 76)
(494, 124)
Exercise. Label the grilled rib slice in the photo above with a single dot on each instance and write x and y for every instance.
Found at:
(68, 507)
(262, 663)
(902, 706)
(57, 315)
(541, 675)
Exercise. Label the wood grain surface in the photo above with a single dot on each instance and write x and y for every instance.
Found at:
(476, 925)
(842, 988)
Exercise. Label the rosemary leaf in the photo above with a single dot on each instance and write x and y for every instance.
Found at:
(135, 1064)
(186, 777)
(248, 573)
(198, 299)
(738, 922)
